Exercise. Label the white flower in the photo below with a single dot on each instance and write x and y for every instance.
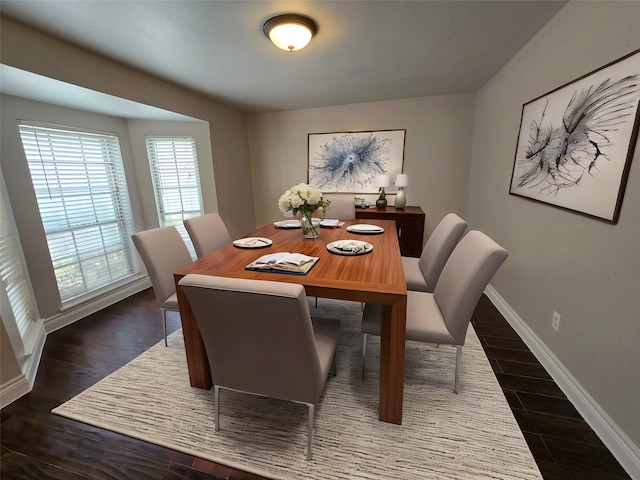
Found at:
(301, 197)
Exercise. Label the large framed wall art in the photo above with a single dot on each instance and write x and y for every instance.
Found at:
(348, 162)
(576, 142)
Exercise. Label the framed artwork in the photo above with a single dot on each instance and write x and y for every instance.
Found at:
(348, 162)
(576, 143)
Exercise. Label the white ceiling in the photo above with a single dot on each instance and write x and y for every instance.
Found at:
(364, 50)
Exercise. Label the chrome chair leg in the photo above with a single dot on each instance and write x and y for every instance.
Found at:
(164, 325)
(364, 352)
(457, 377)
(334, 370)
(310, 432)
(216, 407)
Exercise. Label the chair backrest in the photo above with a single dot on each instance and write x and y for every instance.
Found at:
(439, 246)
(258, 336)
(466, 274)
(207, 232)
(163, 252)
(342, 207)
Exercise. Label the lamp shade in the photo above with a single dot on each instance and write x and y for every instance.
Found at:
(290, 32)
(382, 180)
(402, 180)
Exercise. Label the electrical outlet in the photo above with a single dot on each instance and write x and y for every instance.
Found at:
(555, 321)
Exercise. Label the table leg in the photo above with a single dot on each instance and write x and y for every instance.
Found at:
(394, 321)
(197, 361)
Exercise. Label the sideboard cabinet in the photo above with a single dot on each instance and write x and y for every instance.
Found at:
(409, 225)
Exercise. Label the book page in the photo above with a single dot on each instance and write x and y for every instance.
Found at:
(297, 259)
(271, 258)
(284, 262)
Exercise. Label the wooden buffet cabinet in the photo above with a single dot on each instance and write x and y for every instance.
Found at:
(409, 225)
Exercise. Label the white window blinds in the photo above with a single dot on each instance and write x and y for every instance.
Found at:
(14, 280)
(174, 169)
(81, 190)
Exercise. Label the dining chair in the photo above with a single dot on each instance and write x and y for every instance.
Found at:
(342, 207)
(207, 232)
(163, 251)
(284, 354)
(422, 273)
(442, 317)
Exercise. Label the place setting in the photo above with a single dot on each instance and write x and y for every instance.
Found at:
(252, 242)
(349, 247)
(292, 223)
(365, 228)
(331, 223)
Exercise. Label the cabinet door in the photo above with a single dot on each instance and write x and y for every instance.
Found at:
(407, 237)
(409, 226)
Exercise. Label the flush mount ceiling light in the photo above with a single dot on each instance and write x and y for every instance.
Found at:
(290, 31)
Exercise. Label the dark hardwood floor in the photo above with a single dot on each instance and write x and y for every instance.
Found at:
(36, 444)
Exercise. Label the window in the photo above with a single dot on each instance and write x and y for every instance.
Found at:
(81, 190)
(176, 183)
(16, 294)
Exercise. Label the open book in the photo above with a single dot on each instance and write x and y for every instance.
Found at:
(284, 262)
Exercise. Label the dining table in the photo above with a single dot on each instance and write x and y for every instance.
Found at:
(376, 276)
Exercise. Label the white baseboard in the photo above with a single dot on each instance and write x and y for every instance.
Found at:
(22, 384)
(620, 445)
(75, 313)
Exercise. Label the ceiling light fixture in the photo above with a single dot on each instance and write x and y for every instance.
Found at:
(290, 31)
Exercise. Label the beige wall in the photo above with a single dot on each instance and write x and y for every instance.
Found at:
(131, 135)
(436, 157)
(10, 366)
(29, 50)
(587, 270)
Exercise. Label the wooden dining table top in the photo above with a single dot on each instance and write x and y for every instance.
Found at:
(375, 277)
(366, 277)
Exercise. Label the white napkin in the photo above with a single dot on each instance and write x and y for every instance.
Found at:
(329, 222)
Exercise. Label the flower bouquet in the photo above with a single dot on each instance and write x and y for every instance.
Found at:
(303, 200)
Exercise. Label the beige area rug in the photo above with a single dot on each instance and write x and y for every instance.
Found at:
(471, 435)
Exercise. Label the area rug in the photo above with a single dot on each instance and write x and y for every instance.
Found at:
(469, 435)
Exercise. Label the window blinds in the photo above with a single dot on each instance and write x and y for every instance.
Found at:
(81, 190)
(14, 280)
(174, 169)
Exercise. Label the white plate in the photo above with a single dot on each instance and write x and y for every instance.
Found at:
(287, 224)
(364, 228)
(349, 247)
(252, 242)
(330, 222)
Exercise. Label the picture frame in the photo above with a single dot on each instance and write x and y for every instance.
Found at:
(576, 143)
(348, 162)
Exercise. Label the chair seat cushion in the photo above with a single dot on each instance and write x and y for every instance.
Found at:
(413, 275)
(171, 303)
(424, 320)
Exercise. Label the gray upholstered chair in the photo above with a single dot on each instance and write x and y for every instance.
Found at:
(422, 273)
(260, 339)
(163, 251)
(207, 232)
(342, 207)
(443, 316)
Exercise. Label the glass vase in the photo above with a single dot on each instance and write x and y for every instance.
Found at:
(310, 225)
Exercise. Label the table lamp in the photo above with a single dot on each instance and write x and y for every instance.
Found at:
(402, 180)
(382, 181)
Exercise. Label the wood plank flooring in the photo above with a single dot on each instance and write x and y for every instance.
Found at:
(36, 444)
